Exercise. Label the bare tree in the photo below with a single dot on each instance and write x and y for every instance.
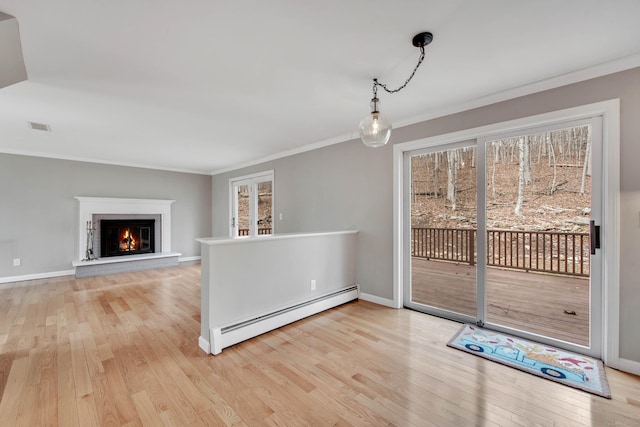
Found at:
(526, 155)
(496, 158)
(426, 176)
(452, 172)
(436, 174)
(540, 148)
(521, 176)
(589, 155)
(586, 166)
(552, 161)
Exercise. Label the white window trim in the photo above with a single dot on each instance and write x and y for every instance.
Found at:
(610, 112)
(252, 178)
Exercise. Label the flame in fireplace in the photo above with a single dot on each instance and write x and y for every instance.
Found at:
(127, 242)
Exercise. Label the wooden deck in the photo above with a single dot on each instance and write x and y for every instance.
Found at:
(533, 302)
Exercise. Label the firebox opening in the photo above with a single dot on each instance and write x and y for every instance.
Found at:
(126, 237)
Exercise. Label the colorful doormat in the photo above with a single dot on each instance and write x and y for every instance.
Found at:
(574, 370)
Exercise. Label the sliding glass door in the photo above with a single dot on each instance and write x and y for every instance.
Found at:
(499, 232)
(540, 203)
(443, 205)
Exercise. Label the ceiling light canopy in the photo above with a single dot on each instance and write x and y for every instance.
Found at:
(375, 129)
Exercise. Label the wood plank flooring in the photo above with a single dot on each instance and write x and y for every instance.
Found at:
(554, 306)
(123, 350)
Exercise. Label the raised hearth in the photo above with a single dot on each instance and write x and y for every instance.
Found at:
(126, 264)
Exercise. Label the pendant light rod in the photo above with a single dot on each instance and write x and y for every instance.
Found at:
(375, 129)
(420, 41)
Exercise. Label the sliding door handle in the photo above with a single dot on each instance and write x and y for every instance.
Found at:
(594, 236)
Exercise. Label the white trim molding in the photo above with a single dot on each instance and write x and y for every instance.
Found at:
(204, 345)
(627, 365)
(377, 300)
(36, 276)
(598, 70)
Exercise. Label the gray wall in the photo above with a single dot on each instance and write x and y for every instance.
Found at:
(336, 188)
(348, 186)
(39, 215)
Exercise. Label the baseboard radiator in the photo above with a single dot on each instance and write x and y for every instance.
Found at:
(229, 335)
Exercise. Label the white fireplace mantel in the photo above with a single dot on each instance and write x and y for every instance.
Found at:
(90, 206)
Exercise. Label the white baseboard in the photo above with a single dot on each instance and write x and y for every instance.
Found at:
(224, 336)
(52, 274)
(204, 345)
(377, 300)
(37, 276)
(629, 366)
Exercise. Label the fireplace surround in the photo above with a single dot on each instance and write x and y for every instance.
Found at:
(96, 210)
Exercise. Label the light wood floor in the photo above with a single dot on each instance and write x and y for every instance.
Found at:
(553, 306)
(123, 350)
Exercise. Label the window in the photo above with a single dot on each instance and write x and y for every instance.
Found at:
(251, 203)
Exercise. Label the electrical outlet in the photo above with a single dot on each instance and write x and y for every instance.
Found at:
(313, 284)
(17, 262)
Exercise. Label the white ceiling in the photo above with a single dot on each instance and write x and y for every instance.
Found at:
(205, 85)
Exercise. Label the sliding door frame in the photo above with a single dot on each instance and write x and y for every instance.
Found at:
(610, 113)
(406, 299)
(595, 266)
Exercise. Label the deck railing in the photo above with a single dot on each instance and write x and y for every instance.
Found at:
(261, 231)
(543, 251)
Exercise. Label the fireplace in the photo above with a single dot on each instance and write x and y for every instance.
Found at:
(152, 247)
(97, 209)
(126, 237)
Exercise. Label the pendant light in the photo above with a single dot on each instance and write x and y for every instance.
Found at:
(375, 129)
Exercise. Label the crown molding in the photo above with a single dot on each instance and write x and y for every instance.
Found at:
(603, 69)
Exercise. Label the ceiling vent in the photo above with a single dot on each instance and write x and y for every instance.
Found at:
(40, 126)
